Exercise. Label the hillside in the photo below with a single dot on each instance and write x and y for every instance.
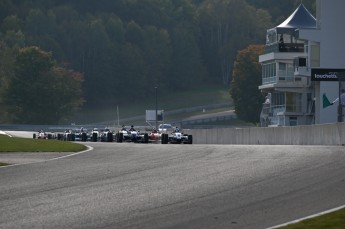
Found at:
(177, 106)
(124, 49)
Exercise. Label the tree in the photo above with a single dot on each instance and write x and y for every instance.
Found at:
(5, 7)
(244, 87)
(172, 44)
(158, 57)
(228, 26)
(67, 96)
(187, 68)
(6, 72)
(40, 92)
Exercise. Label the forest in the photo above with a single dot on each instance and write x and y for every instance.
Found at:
(132, 46)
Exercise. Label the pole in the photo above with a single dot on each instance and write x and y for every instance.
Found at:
(339, 103)
(156, 109)
(118, 116)
(341, 78)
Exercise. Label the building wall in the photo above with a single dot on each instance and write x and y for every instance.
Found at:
(332, 53)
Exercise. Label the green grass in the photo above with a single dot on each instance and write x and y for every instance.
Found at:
(334, 220)
(231, 122)
(8, 144)
(203, 95)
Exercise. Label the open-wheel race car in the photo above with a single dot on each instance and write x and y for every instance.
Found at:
(69, 135)
(107, 135)
(94, 136)
(43, 135)
(80, 135)
(176, 138)
(131, 135)
(40, 135)
(154, 136)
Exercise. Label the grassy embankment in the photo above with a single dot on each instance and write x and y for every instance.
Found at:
(12, 145)
(201, 96)
(8, 144)
(334, 220)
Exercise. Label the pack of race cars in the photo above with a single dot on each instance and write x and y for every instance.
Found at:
(162, 135)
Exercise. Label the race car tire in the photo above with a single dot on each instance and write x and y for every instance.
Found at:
(190, 139)
(72, 137)
(164, 139)
(110, 137)
(60, 137)
(83, 137)
(119, 138)
(49, 136)
(34, 136)
(146, 138)
(94, 137)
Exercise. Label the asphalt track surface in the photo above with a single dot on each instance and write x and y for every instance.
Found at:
(125, 185)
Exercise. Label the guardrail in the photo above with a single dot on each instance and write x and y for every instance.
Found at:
(325, 134)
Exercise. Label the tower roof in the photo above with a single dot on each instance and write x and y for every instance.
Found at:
(301, 18)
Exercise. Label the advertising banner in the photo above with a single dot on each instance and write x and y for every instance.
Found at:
(151, 115)
(326, 74)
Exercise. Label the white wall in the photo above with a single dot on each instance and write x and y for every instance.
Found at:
(332, 51)
(325, 134)
(332, 33)
(331, 36)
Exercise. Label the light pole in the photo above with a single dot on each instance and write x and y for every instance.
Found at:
(341, 79)
(156, 109)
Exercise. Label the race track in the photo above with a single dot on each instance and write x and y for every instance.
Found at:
(124, 185)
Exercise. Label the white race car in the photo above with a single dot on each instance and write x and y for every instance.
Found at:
(177, 138)
(165, 128)
(40, 135)
(107, 136)
(94, 135)
(131, 135)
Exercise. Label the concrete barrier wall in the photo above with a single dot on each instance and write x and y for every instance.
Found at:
(325, 134)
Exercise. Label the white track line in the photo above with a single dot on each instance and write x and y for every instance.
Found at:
(4, 133)
(308, 217)
(89, 148)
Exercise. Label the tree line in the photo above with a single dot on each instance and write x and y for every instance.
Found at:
(125, 48)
